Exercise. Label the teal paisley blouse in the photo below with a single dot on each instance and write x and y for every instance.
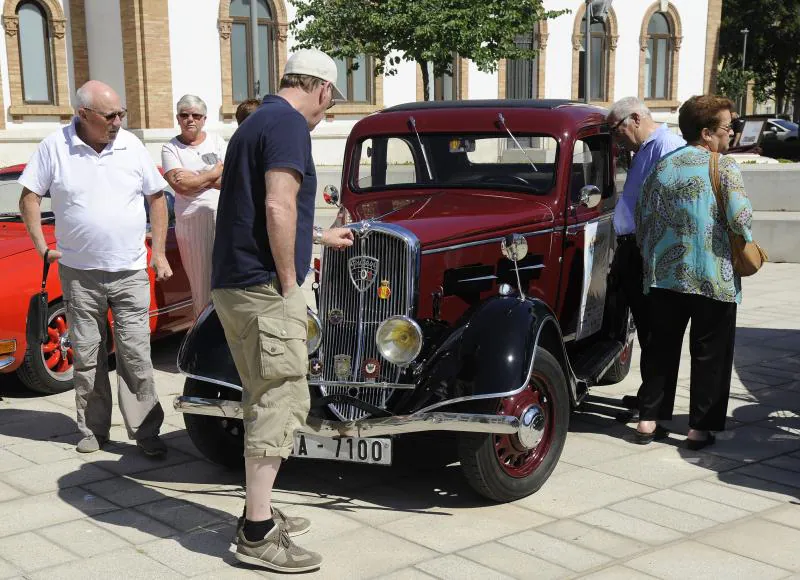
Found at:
(680, 231)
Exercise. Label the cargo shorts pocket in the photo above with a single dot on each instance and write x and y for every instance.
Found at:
(283, 348)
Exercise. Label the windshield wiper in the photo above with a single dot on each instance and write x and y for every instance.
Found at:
(413, 124)
(502, 121)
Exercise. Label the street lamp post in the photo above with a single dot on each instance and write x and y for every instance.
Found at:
(743, 98)
(587, 43)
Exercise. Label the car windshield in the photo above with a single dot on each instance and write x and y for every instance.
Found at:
(10, 191)
(455, 160)
(786, 124)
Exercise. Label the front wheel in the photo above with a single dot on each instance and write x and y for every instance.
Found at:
(505, 468)
(48, 367)
(219, 439)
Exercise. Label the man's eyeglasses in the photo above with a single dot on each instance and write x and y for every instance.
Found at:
(195, 116)
(109, 117)
(333, 100)
(619, 123)
(726, 128)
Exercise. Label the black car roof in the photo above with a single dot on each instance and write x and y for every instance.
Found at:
(484, 104)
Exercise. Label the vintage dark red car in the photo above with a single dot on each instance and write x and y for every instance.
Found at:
(474, 300)
(47, 368)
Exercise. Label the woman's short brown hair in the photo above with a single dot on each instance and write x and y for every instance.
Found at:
(305, 82)
(245, 108)
(701, 112)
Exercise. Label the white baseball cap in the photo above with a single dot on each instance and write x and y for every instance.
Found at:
(315, 63)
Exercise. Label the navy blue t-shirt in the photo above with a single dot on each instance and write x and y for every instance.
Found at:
(274, 136)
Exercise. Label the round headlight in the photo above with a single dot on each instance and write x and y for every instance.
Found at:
(314, 333)
(399, 340)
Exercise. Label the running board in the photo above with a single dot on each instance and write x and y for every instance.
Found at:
(590, 365)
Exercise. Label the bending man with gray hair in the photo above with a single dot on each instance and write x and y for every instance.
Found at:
(192, 163)
(633, 128)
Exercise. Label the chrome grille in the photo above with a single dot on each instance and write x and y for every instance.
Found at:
(397, 253)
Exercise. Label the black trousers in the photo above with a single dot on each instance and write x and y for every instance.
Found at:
(626, 278)
(711, 341)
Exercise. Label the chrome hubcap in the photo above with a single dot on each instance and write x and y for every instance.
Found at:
(531, 426)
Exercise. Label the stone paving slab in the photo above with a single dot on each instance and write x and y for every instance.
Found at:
(611, 509)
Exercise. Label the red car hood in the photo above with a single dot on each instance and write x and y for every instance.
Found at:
(455, 215)
(14, 238)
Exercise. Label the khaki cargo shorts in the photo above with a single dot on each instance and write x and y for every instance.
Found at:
(267, 337)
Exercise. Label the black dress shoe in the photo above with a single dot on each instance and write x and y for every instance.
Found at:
(698, 444)
(628, 416)
(630, 402)
(645, 438)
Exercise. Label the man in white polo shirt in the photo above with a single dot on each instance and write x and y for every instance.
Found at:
(97, 174)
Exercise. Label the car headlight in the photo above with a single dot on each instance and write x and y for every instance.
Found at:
(399, 340)
(314, 333)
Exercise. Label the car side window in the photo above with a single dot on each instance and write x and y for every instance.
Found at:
(385, 161)
(591, 166)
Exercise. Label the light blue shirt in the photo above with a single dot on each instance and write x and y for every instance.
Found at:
(661, 142)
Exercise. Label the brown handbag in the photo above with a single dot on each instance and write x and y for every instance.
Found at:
(747, 257)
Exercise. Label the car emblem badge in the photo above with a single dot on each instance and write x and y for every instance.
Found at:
(363, 270)
(335, 317)
(371, 368)
(341, 366)
(384, 291)
(314, 367)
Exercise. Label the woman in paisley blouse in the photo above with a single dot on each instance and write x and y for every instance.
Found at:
(688, 272)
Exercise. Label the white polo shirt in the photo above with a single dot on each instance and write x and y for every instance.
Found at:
(97, 198)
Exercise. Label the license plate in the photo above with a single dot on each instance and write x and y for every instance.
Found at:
(376, 450)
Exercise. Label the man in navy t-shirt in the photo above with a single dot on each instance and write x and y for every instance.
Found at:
(262, 253)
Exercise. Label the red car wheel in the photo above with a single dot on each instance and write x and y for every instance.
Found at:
(509, 467)
(47, 368)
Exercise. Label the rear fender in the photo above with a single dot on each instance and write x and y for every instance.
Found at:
(204, 354)
(492, 353)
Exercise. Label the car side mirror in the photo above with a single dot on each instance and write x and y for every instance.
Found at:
(590, 196)
(331, 195)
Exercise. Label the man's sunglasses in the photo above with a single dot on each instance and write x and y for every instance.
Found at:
(618, 123)
(195, 116)
(109, 116)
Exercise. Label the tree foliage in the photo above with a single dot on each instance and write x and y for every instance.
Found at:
(421, 31)
(773, 46)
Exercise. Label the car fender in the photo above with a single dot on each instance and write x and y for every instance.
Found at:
(491, 353)
(204, 353)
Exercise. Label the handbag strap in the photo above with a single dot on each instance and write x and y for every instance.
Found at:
(716, 186)
(45, 269)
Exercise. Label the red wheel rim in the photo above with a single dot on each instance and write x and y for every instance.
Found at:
(625, 355)
(514, 458)
(57, 353)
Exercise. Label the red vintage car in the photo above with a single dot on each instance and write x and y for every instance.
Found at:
(474, 299)
(47, 368)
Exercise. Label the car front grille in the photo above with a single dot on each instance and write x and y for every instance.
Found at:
(354, 285)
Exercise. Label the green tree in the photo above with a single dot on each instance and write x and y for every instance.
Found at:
(773, 41)
(422, 31)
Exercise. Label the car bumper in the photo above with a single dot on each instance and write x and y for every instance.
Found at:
(528, 428)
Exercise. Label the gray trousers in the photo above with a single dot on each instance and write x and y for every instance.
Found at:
(88, 295)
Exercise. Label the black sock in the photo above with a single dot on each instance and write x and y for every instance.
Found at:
(255, 531)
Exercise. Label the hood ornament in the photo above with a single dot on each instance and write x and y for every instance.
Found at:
(363, 271)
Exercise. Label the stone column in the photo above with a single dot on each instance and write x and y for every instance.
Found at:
(148, 69)
(712, 45)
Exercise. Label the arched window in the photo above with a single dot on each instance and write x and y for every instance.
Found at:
(253, 64)
(36, 57)
(603, 37)
(598, 74)
(658, 57)
(34, 54)
(660, 43)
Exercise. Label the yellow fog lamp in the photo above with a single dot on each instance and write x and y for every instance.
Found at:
(8, 346)
(399, 340)
(314, 333)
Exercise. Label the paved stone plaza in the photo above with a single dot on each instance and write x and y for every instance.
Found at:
(612, 509)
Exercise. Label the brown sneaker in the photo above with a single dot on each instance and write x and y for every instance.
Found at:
(276, 552)
(295, 526)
